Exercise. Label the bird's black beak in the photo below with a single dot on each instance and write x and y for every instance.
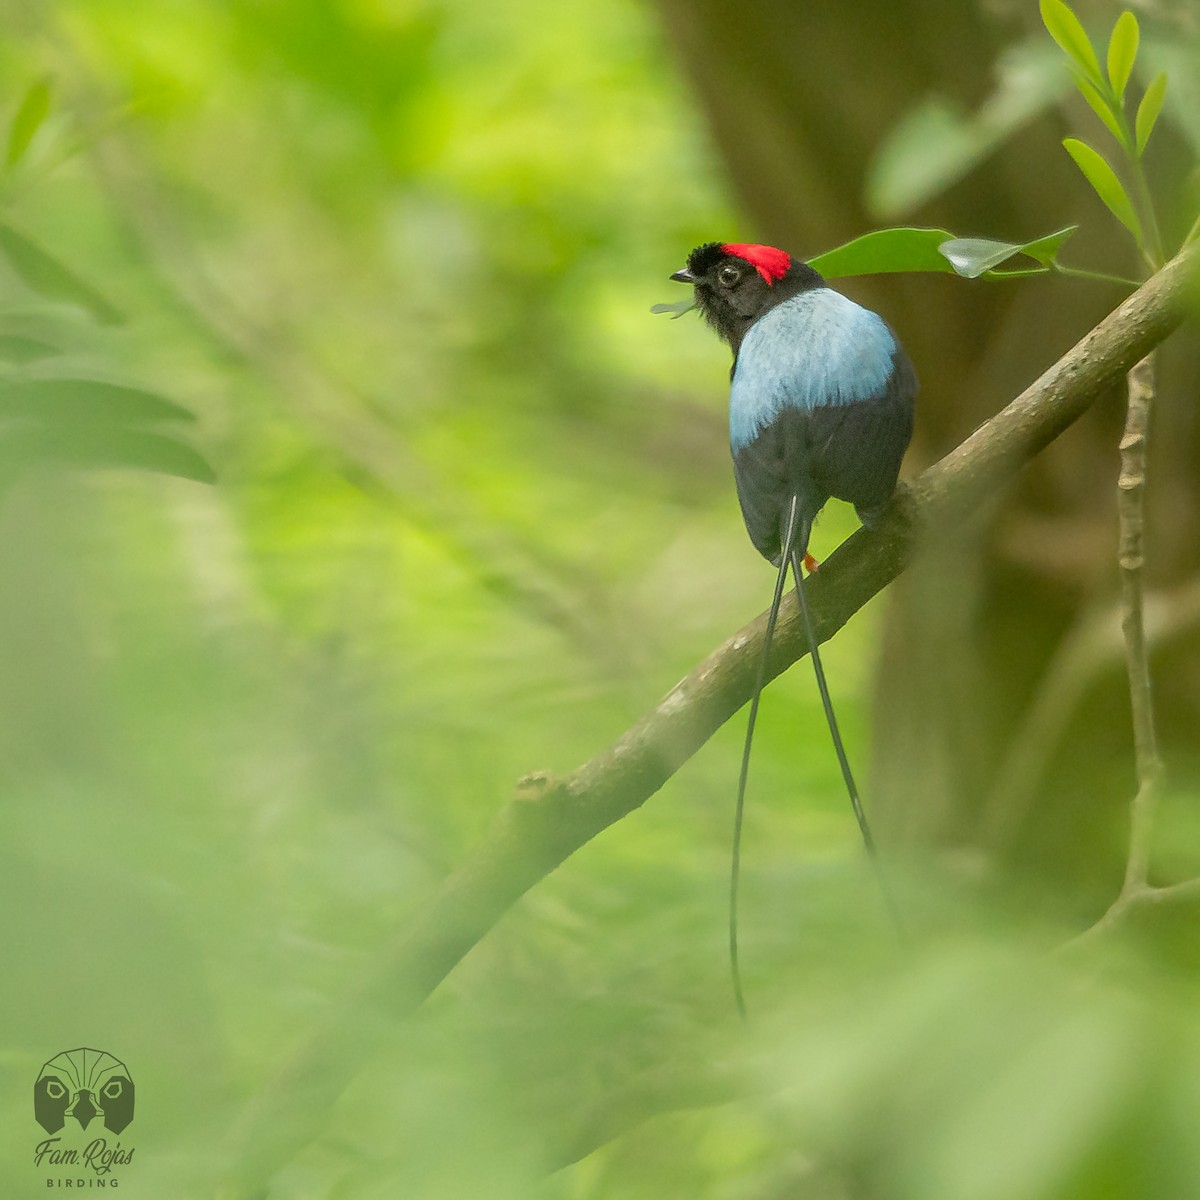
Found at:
(684, 276)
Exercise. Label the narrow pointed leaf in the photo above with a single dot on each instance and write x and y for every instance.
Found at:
(84, 402)
(885, 251)
(25, 446)
(1148, 110)
(15, 347)
(1101, 108)
(1064, 27)
(30, 114)
(44, 274)
(1106, 184)
(1122, 50)
(1045, 249)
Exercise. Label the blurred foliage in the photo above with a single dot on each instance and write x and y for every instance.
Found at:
(473, 514)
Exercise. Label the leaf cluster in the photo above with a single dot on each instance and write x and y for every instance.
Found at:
(1105, 92)
(50, 413)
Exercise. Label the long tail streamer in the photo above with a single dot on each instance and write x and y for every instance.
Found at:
(735, 869)
(793, 556)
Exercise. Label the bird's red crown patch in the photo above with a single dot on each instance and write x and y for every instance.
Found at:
(770, 263)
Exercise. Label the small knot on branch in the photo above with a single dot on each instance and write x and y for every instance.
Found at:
(536, 785)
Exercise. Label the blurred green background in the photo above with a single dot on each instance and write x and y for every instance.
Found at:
(473, 515)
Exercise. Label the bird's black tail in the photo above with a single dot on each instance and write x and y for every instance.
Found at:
(830, 717)
(795, 543)
(889, 899)
(789, 539)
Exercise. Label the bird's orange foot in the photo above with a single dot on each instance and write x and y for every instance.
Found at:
(810, 563)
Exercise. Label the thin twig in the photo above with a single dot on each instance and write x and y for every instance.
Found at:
(1135, 903)
(1131, 513)
(1131, 483)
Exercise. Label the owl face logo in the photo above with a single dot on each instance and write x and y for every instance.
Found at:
(83, 1084)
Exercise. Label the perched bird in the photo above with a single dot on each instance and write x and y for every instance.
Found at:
(820, 406)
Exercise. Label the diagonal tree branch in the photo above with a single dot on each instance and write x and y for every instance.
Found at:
(552, 816)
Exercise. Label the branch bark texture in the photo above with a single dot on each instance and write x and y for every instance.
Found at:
(552, 816)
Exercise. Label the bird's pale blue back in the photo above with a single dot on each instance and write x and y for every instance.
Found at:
(817, 348)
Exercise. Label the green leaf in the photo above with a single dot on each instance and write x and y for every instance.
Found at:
(973, 257)
(885, 251)
(27, 446)
(1102, 108)
(1148, 110)
(30, 114)
(20, 349)
(1122, 50)
(48, 277)
(970, 257)
(1064, 27)
(905, 249)
(1106, 184)
(1045, 249)
(84, 401)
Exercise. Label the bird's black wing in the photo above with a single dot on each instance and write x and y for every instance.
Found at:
(857, 447)
(769, 471)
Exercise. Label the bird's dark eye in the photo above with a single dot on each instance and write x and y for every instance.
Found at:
(729, 275)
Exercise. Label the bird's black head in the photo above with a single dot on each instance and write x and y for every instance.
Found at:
(736, 283)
